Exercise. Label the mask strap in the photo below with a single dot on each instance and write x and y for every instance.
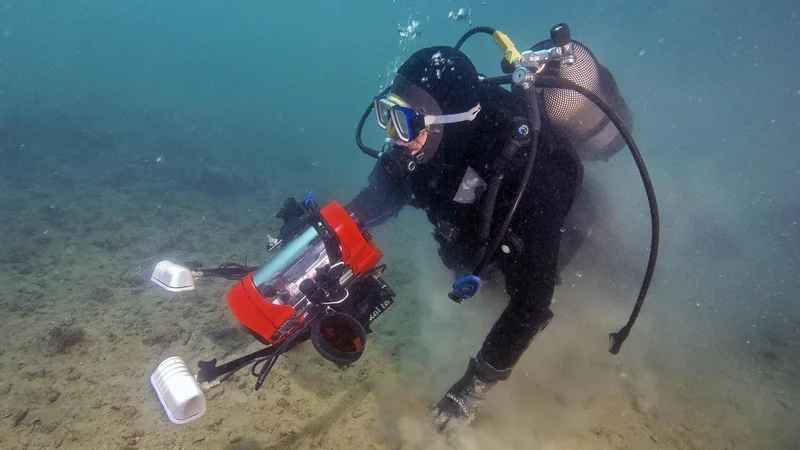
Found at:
(467, 116)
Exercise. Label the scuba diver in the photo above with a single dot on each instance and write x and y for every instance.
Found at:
(497, 172)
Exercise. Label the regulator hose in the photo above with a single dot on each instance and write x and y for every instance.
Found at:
(535, 120)
(551, 82)
(472, 32)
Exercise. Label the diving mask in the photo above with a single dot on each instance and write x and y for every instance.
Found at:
(407, 122)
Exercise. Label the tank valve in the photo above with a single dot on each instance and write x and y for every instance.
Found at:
(562, 38)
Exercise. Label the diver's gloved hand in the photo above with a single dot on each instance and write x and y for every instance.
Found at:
(464, 399)
(292, 215)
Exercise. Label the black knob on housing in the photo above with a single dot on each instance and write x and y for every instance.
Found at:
(268, 291)
(310, 289)
(560, 35)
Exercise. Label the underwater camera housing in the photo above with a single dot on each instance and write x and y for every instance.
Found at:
(324, 285)
(331, 263)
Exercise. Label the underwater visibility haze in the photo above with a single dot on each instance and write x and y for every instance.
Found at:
(136, 132)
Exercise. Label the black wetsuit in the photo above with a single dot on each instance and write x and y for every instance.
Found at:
(531, 268)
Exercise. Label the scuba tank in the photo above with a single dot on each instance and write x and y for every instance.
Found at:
(577, 119)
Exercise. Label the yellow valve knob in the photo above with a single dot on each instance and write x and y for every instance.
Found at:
(509, 50)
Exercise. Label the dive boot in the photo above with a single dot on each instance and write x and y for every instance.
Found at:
(463, 400)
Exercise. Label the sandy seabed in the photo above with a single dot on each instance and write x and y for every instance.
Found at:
(83, 328)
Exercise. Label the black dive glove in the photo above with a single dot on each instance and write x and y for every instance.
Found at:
(292, 215)
(463, 400)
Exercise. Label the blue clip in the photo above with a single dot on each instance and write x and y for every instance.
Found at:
(309, 198)
(465, 287)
